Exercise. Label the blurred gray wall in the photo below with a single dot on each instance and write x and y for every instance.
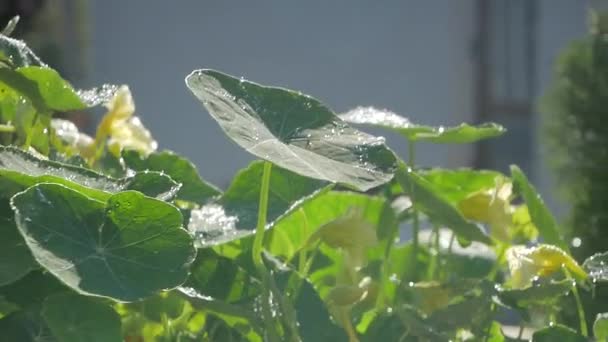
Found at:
(413, 57)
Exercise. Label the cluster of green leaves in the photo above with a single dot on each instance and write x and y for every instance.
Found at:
(106, 239)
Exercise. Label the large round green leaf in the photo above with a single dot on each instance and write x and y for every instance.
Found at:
(25, 326)
(460, 134)
(126, 249)
(292, 130)
(74, 318)
(31, 290)
(15, 258)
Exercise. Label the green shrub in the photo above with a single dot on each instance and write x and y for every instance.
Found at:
(574, 121)
(575, 116)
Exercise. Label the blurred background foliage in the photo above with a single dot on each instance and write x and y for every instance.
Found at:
(575, 112)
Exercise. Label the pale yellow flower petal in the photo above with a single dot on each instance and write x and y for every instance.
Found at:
(543, 260)
(132, 135)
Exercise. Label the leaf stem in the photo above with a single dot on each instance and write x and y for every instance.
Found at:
(579, 303)
(448, 256)
(521, 331)
(262, 212)
(502, 249)
(257, 254)
(434, 267)
(4, 128)
(29, 135)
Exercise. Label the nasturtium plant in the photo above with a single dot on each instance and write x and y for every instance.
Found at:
(330, 236)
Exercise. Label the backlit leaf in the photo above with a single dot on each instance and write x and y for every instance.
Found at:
(382, 118)
(456, 185)
(19, 170)
(294, 131)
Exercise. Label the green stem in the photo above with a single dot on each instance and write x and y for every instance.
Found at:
(579, 303)
(415, 223)
(262, 211)
(303, 273)
(448, 256)
(520, 333)
(29, 136)
(452, 238)
(386, 264)
(502, 249)
(435, 258)
(7, 128)
(256, 254)
(491, 318)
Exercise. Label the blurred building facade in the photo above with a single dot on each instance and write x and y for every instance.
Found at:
(434, 61)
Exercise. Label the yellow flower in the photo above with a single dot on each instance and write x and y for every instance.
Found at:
(351, 233)
(132, 135)
(543, 260)
(124, 130)
(492, 207)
